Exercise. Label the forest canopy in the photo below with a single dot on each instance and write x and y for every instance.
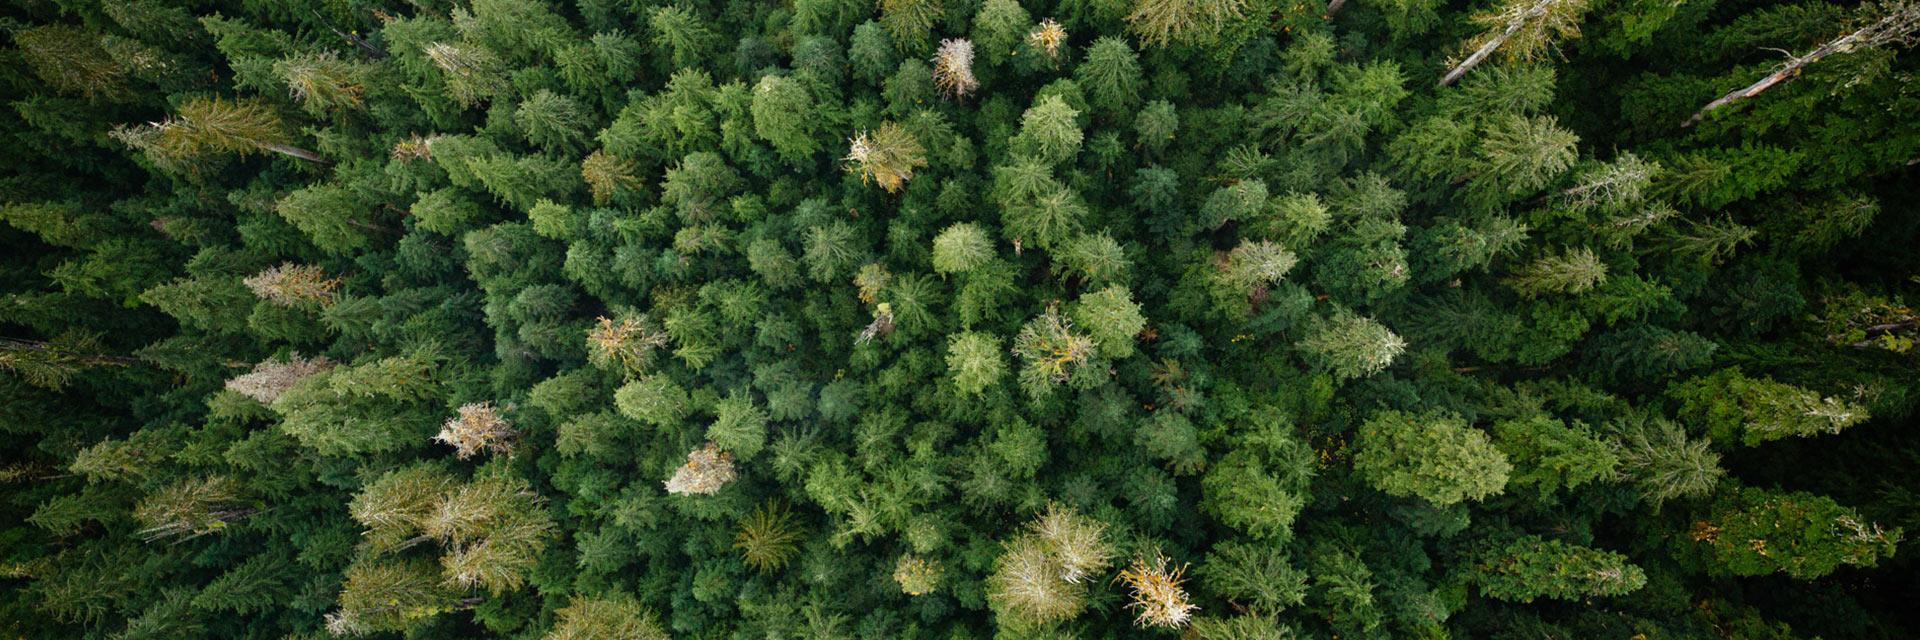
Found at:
(959, 319)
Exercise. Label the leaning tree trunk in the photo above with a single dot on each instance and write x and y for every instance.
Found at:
(1333, 6)
(1897, 25)
(36, 346)
(1488, 48)
(296, 152)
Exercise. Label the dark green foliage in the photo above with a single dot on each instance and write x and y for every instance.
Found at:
(927, 318)
(1535, 568)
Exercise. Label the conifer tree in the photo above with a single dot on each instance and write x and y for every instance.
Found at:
(53, 364)
(211, 126)
(1435, 456)
(626, 343)
(768, 538)
(975, 361)
(1111, 75)
(71, 60)
(917, 575)
(290, 285)
(192, 508)
(390, 595)
(1047, 38)
(1884, 23)
(1734, 406)
(1053, 351)
(1037, 580)
(323, 82)
(909, 21)
(478, 427)
(706, 471)
(1049, 131)
(1188, 22)
(886, 157)
(1157, 597)
(784, 116)
(1753, 531)
(610, 616)
(1576, 271)
(1657, 455)
(953, 68)
(1111, 318)
(269, 379)
(1521, 30)
(960, 248)
(1532, 567)
(1350, 346)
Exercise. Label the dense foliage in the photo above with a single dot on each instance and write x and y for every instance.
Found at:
(1237, 319)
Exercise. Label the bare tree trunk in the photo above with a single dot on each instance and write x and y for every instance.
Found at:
(356, 40)
(1488, 48)
(1333, 6)
(16, 344)
(1895, 26)
(296, 152)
